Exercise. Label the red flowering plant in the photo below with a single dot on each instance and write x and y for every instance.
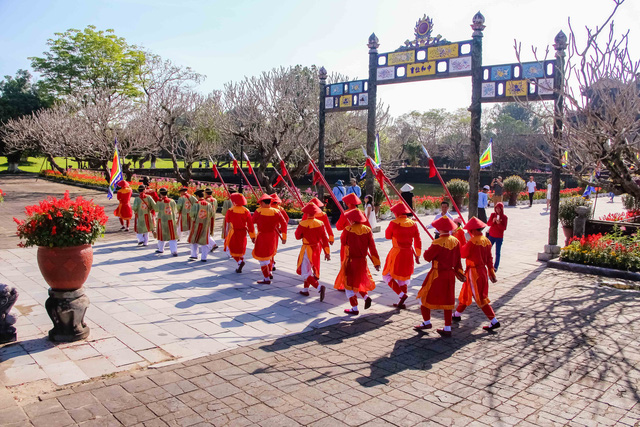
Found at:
(1, 196)
(612, 250)
(62, 223)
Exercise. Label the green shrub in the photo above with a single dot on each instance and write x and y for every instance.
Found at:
(630, 203)
(514, 184)
(458, 187)
(567, 210)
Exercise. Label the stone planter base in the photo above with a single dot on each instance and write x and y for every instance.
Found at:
(66, 310)
(590, 269)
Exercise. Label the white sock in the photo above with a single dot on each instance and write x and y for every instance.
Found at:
(240, 262)
(401, 294)
(365, 296)
(456, 314)
(494, 321)
(426, 322)
(447, 328)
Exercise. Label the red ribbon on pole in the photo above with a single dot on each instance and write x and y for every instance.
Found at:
(293, 193)
(293, 187)
(216, 174)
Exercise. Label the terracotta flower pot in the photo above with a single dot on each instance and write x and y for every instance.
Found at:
(513, 199)
(568, 234)
(458, 200)
(65, 269)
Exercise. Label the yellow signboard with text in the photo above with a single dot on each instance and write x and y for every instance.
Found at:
(421, 69)
(405, 57)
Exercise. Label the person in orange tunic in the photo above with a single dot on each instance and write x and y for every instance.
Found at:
(352, 201)
(275, 203)
(438, 288)
(124, 211)
(269, 222)
(238, 222)
(458, 233)
(322, 216)
(398, 267)
(208, 197)
(314, 240)
(356, 243)
(477, 252)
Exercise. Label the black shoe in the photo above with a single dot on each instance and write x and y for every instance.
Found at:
(491, 327)
(422, 327)
(443, 333)
(456, 318)
(322, 291)
(140, 243)
(193, 258)
(239, 269)
(203, 260)
(174, 254)
(274, 268)
(159, 252)
(400, 304)
(271, 276)
(367, 303)
(303, 293)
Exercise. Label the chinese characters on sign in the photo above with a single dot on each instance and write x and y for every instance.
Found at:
(425, 62)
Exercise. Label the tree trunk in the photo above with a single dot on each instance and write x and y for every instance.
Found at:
(54, 165)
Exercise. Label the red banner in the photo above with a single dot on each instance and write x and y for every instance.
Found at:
(432, 168)
(316, 178)
(283, 167)
(215, 171)
(278, 181)
(310, 169)
(235, 167)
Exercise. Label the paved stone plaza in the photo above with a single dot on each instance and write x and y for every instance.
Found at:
(189, 343)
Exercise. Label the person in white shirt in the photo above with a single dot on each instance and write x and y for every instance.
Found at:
(531, 188)
(483, 202)
(548, 192)
(444, 211)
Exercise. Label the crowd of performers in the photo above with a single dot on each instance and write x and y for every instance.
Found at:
(193, 216)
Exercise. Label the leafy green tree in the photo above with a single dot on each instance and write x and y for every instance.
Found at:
(89, 59)
(19, 97)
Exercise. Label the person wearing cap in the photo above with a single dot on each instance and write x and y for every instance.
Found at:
(477, 252)
(201, 214)
(238, 222)
(458, 233)
(483, 202)
(184, 204)
(438, 288)
(354, 277)
(314, 240)
(275, 203)
(269, 223)
(124, 211)
(166, 223)
(407, 247)
(143, 221)
(406, 192)
(352, 201)
(354, 188)
(324, 218)
(213, 245)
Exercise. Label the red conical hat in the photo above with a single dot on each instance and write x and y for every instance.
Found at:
(265, 198)
(275, 198)
(311, 209)
(123, 184)
(400, 209)
(444, 224)
(351, 199)
(317, 202)
(474, 224)
(356, 216)
(238, 199)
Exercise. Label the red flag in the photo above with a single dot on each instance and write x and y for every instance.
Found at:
(432, 168)
(278, 181)
(310, 169)
(215, 171)
(283, 168)
(249, 167)
(316, 178)
(235, 167)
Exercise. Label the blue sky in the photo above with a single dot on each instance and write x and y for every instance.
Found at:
(227, 40)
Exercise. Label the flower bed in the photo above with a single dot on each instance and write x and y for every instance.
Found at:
(1, 196)
(610, 250)
(620, 216)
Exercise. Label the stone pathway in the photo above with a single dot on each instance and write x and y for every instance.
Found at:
(202, 328)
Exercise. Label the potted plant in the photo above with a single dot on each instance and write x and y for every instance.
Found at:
(567, 213)
(513, 186)
(458, 189)
(64, 230)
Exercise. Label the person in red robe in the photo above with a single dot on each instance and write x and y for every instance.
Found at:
(314, 240)
(124, 212)
(352, 201)
(275, 203)
(407, 247)
(438, 288)
(269, 223)
(477, 252)
(322, 216)
(458, 233)
(238, 222)
(356, 243)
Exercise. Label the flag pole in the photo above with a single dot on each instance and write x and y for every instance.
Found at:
(293, 194)
(244, 176)
(252, 172)
(286, 173)
(432, 163)
(324, 181)
(217, 172)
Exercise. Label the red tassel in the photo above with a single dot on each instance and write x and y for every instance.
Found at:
(283, 168)
(278, 181)
(215, 171)
(235, 167)
(316, 178)
(249, 167)
(310, 169)
(432, 168)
